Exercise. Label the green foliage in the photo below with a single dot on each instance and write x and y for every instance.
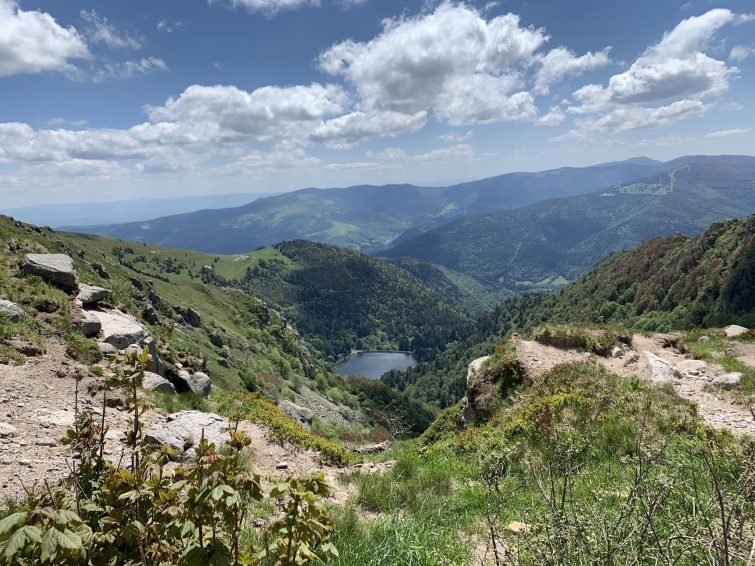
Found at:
(255, 408)
(594, 339)
(147, 513)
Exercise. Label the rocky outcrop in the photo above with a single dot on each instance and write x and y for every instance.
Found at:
(480, 391)
(153, 382)
(58, 269)
(182, 432)
(216, 339)
(301, 415)
(120, 329)
(191, 317)
(91, 294)
(734, 330)
(12, 311)
(198, 383)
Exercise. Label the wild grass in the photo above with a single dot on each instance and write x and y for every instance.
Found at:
(717, 349)
(595, 339)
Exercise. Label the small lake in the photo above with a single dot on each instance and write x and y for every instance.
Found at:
(372, 365)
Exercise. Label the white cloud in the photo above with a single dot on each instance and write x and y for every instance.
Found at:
(669, 82)
(269, 7)
(121, 70)
(727, 133)
(429, 62)
(553, 118)
(98, 30)
(456, 137)
(346, 130)
(741, 52)
(561, 62)
(32, 41)
(169, 27)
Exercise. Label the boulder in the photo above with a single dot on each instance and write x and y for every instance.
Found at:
(734, 330)
(192, 318)
(153, 382)
(656, 369)
(119, 329)
(183, 431)
(100, 270)
(89, 325)
(216, 339)
(107, 349)
(728, 380)
(56, 268)
(223, 362)
(198, 382)
(7, 430)
(373, 448)
(480, 391)
(91, 294)
(150, 315)
(301, 415)
(12, 311)
(617, 352)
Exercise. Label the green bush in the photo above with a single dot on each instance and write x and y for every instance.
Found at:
(595, 339)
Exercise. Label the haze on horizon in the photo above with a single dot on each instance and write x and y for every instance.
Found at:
(126, 100)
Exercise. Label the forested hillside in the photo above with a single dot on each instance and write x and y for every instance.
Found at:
(664, 284)
(554, 241)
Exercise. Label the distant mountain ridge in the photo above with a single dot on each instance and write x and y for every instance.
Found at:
(90, 214)
(366, 217)
(562, 238)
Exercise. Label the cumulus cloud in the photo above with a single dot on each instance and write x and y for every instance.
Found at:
(561, 62)
(670, 81)
(32, 41)
(741, 52)
(99, 30)
(456, 137)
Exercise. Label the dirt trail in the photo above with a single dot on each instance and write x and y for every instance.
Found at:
(720, 409)
(37, 407)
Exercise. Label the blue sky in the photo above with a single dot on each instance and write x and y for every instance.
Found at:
(112, 100)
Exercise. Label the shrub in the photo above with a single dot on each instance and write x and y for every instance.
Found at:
(598, 340)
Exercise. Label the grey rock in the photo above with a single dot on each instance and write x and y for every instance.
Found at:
(12, 311)
(100, 270)
(703, 338)
(7, 430)
(281, 466)
(216, 339)
(481, 392)
(183, 431)
(223, 362)
(137, 283)
(56, 268)
(656, 369)
(192, 317)
(301, 415)
(107, 349)
(617, 352)
(45, 441)
(150, 315)
(198, 382)
(120, 329)
(734, 330)
(373, 448)
(153, 382)
(91, 294)
(89, 325)
(728, 380)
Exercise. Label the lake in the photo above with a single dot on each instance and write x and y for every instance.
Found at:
(372, 365)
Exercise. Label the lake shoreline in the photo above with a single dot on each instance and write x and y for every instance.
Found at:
(373, 364)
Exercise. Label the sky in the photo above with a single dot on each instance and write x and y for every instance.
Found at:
(110, 100)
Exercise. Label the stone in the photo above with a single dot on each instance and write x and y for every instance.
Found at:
(216, 339)
(734, 330)
(120, 329)
(690, 366)
(198, 382)
(12, 311)
(7, 430)
(107, 349)
(45, 441)
(617, 352)
(703, 338)
(153, 382)
(728, 380)
(89, 325)
(281, 466)
(150, 315)
(183, 431)
(373, 448)
(301, 415)
(61, 418)
(656, 369)
(91, 294)
(192, 317)
(56, 268)
(519, 528)
(100, 270)
(223, 362)
(480, 391)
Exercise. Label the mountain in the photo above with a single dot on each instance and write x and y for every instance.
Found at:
(73, 215)
(664, 284)
(366, 217)
(546, 244)
(339, 299)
